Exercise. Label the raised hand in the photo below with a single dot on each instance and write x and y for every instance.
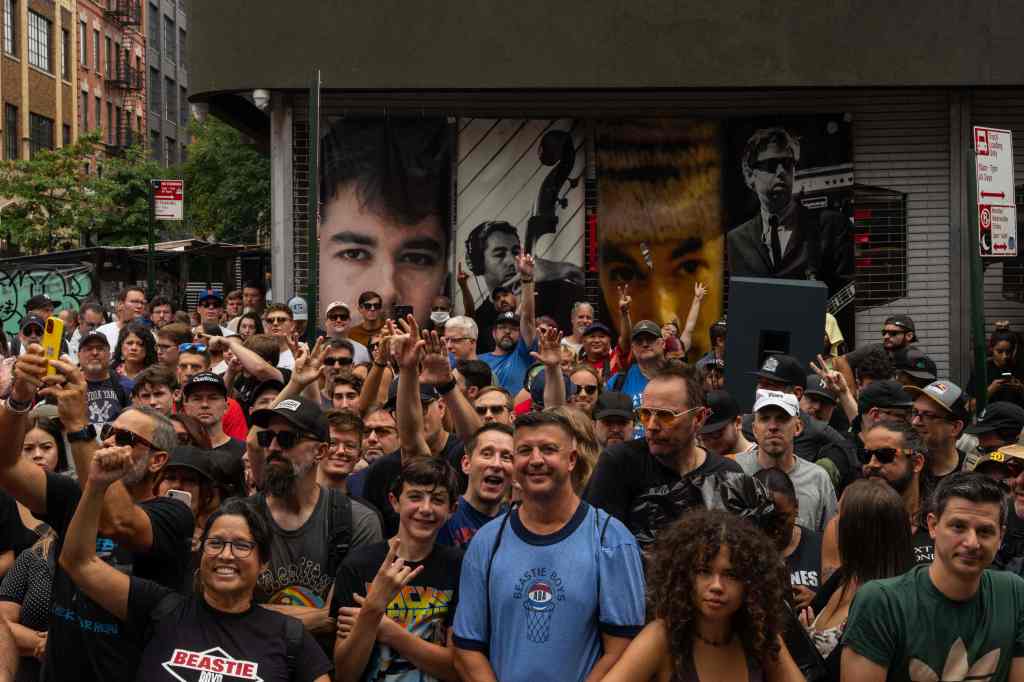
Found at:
(67, 387)
(407, 346)
(392, 576)
(699, 291)
(461, 275)
(309, 365)
(625, 300)
(549, 350)
(218, 344)
(29, 370)
(833, 380)
(110, 464)
(434, 367)
(525, 265)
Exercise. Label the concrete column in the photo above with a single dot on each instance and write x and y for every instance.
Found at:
(282, 260)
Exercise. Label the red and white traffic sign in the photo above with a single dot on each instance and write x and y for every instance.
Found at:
(168, 199)
(997, 210)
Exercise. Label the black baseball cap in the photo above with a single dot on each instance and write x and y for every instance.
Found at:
(597, 328)
(999, 416)
(40, 301)
(93, 336)
(903, 321)
(506, 318)
(887, 394)
(911, 360)
(428, 394)
(613, 404)
(204, 380)
(189, 457)
(33, 320)
(302, 413)
(784, 369)
(537, 388)
(646, 327)
(268, 385)
(500, 289)
(815, 386)
(724, 409)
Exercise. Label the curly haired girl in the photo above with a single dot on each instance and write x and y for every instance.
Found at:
(716, 587)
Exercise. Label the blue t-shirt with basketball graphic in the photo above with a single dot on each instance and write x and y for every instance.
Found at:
(549, 597)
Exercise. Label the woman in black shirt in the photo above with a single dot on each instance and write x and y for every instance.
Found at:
(218, 630)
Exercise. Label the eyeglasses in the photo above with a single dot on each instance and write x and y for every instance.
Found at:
(338, 446)
(278, 320)
(371, 306)
(338, 317)
(192, 348)
(645, 414)
(457, 339)
(32, 331)
(886, 455)
(380, 431)
(240, 548)
(484, 410)
(772, 165)
(124, 438)
(928, 416)
(286, 439)
(893, 332)
(583, 388)
(331, 362)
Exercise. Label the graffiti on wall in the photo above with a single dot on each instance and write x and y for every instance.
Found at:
(67, 285)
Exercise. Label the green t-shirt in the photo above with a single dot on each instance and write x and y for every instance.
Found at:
(906, 625)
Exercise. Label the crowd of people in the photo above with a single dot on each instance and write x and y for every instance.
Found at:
(202, 495)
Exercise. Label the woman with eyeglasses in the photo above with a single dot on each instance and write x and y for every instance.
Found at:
(178, 634)
(136, 350)
(716, 594)
(874, 543)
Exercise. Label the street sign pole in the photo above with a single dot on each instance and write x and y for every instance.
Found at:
(312, 284)
(151, 250)
(166, 202)
(980, 387)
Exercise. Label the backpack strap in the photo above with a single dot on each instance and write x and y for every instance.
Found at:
(293, 635)
(339, 528)
(619, 381)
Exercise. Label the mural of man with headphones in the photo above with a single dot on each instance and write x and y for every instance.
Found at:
(491, 251)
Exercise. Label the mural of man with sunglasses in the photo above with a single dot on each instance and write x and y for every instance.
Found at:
(784, 239)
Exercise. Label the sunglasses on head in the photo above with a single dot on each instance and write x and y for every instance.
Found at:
(123, 438)
(886, 455)
(192, 348)
(331, 362)
(583, 388)
(286, 439)
(372, 306)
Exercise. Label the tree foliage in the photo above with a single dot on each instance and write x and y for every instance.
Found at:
(227, 184)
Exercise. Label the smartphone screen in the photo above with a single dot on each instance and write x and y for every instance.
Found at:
(399, 312)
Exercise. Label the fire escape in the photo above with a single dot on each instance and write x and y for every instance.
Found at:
(127, 84)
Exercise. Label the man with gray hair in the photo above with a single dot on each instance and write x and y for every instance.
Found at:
(784, 239)
(145, 536)
(460, 336)
(581, 317)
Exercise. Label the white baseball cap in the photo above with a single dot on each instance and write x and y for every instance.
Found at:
(337, 304)
(299, 308)
(787, 401)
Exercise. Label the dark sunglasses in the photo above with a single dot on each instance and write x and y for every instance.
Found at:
(371, 306)
(893, 332)
(886, 455)
(338, 317)
(192, 348)
(482, 410)
(286, 439)
(583, 388)
(771, 165)
(331, 362)
(124, 438)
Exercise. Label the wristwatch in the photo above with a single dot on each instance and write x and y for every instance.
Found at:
(83, 436)
(445, 388)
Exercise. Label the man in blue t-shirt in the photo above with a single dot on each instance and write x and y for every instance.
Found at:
(553, 589)
(514, 335)
(648, 350)
(488, 464)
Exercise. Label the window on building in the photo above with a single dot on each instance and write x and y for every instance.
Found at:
(11, 137)
(11, 27)
(155, 103)
(96, 50)
(98, 119)
(39, 41)
(155, 148)
(118, 128)
(183, 115)
(154, 26)
(84, 104)
(109, 54)
(171, 151)
(170, 48)
(40, 133)
(172, 99)
(181, 47)
(83, 44)
(65, 54)
(118, 73)
(110, 123)
(66, 135)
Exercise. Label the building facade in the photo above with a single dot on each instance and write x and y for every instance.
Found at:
(903, 108)
(167, 118)
(38, 80)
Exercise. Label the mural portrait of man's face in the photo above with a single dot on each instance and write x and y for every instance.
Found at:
(659, 219)
(383, 218)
